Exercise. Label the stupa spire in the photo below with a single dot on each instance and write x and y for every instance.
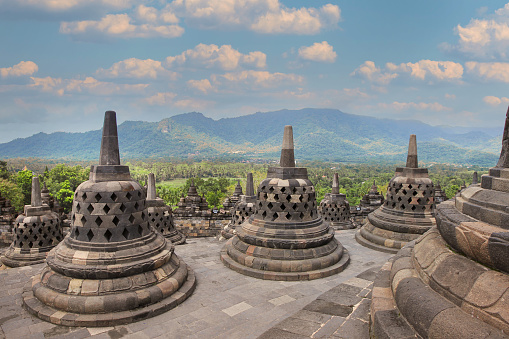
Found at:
(109, 143)
(503, 162)
(411, 160)
(287, 151)
(36, 199)
(335, 184)
(249, 185)
(151, 187)
(475, 179)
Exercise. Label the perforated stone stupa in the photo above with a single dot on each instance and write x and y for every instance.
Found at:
(371, 200)
(193, 205)
(160, 215)
(36, 232)
(285, 238)
(407, 212)
(335, 209)
(439, 194)
(242, 210)
(113, 268)
(454, 281)
(229, 202)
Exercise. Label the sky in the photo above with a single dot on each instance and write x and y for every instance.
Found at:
(63, 63)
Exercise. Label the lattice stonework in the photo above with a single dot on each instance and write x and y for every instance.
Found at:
(335, 212)
(109, 216)
(37, 231)
(410, 197)
(286, 200)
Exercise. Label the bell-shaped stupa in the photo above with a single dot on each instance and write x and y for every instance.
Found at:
(285, 238)
(371, 200)
(36, 232)
(407, 212)
(229, 202)
(335, 209)
(160, 215)
(439, 194)
(453, 282)
(112, 268)
(242, 210)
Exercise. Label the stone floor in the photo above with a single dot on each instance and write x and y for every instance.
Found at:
(226, 304)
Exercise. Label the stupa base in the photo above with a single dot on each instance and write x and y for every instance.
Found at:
(374, 245)
(13, 257)
(66, 318)
(429, 291)
(326, 271)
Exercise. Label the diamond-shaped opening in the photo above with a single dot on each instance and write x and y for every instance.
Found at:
(306, 206)
(40, 243)
(125, 233)
(265, 195)
(30, 244)
(274, 216)
(294, 206)
(136, 205)
(288, 197)
(393, 204)
(21, 244)
(263, 187)
(106, 209)
(35, 237)
(98, 221)
(260, 204)
(113, 196)
(140, 230)
(403, 207)
(73, 218)
(131, 218)
(84, 196)
(301, 198)
(409, 200)
(115, 220)
(30, 230)
(153, 219)
(304, 189)
(413, 208)
(414, 193)
(39, 230)
(108, 235)
(90, 235)
(139, 194)
(269, 205)
(283, 189)
(122, 207)
(271, 189)
(301, 215)
(264, 214)
(83, 219)
(98, 197)
(90, 208)
(276, 197)
(283, 207)
(128, 196)
(78, 207)
(76, 232)
(45, 236)
(419, 201)
(142, 215)
(25, 237)
(288, 216)
(410, 186)
(404, 192)
(399, 199)
(311, 213)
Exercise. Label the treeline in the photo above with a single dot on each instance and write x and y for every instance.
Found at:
(215, 180)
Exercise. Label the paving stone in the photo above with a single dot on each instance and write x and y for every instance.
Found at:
(276, 333)
(299, 326)
(329, 327)
(236, 309)
(327, 307)
(353, 329)
(281, 300)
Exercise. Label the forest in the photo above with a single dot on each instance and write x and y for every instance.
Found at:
(216, 179)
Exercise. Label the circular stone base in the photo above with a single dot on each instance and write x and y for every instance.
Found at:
(19, 260)
(286, 276)
(366, 243)
(59, 317)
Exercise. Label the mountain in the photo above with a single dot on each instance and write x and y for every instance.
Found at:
(320, 134)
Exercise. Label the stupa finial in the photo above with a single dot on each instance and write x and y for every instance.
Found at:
(335, 184)
(503, 162)
(411, 160)
(151, 187)
(475, 179)
(109, 144)
(287, 151)
(249, 185)
(36, 199)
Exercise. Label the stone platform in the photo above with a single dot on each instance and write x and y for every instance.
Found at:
(225, 304)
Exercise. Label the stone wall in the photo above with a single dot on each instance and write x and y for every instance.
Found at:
(194, 227)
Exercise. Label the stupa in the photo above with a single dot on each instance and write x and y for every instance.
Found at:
(371, 200)
(453, 282)
(335, 209)
(160, 215)
(193, 205)
(36, 232)
(113, 268)
(407, 212)
(229, 202)
(439, 194)
(242, 210)
(285, 238)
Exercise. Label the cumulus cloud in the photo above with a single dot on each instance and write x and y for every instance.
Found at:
(495, 101)
(440, 70)
(262, 16)
(89, 85)
(121, 26)
(138, 69)
(319, 51)
(160, 99)
(21, 69)
(369, 71)
(256, 79)
(63, 5)
(419, 106)
(203, 85)
(212, 56)
(487, 37)
(498, 71)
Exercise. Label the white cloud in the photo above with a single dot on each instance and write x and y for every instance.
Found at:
(487, 37)
(193, 104)
(201, 85)
(498, 71)
(319, 51)
(369, 71)
(420, 106)
(137, 68)
(440, 70)
(495, 101)
(119, 25)
(211, 56)
(262, 16)
(20, 69)
(87, 86)
(160, 99)
(63, 5)
(256, 79)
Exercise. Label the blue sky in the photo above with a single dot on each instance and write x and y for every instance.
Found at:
(64, 62)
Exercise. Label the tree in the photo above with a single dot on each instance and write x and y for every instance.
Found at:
(4, 172)
(24, 182)
(65, 196)
(12, 192)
